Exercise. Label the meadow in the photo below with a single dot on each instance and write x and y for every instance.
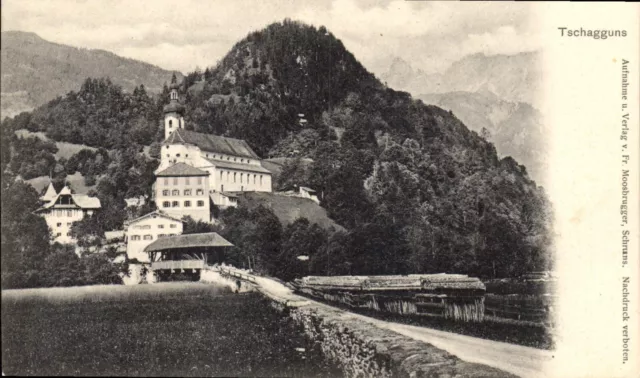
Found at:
(169, 329)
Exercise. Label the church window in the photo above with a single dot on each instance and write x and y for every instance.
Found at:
(187, 192)
(187, 203)
(175, 192)
(254, 179)
(135, 237)
(199, 192)
(260, 180)
(170, 123)
(187, 181)
(165, 192)
(148, 237)
(166, 204)
(175, 204)
(200, 203)
(234, 176)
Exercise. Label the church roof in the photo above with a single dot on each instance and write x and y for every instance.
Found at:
(173, 106)
(182, 169)
(49, 194)
(212, 143)
(209, 239)
(238, 166)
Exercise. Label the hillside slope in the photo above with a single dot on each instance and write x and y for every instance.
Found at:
(35, 71)
(288, 208)
(516, 128)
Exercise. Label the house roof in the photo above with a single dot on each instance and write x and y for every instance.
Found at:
(49, 194)
(182, 169)
(212, 143)
(239, 166)
(82, 201)
(209, 239)
(159, 213)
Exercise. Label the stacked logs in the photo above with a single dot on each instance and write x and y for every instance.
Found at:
(453, 296)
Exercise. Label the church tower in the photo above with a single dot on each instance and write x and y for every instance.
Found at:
(173, 112)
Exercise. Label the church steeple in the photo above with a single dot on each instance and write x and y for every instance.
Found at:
(173, 111)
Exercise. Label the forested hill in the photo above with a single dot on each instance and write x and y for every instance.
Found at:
(35, 71)
(416, 190)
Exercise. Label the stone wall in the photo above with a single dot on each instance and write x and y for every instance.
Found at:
(364, 350)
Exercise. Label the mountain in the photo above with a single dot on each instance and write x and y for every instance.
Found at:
(516, 128)
(35, 71)
(514, 78)
(415, 189)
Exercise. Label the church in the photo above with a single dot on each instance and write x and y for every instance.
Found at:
(197, 169)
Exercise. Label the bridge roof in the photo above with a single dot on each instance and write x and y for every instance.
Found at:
(209, 239)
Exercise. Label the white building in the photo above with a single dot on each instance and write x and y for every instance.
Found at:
(182, 190)
(231, 163)
(142, 231)
(60, 210)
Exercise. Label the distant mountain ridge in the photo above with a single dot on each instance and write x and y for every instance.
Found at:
(515, 78)
(35, 71)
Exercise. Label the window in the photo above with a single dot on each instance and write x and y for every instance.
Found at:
(234, 176)
(161, 226)
(175, 192)
(234, 159)
(167, 156)
(135, 237)
(166, 180)
(221, 175)
(165, 192)
(242, 188)
(166, 204)
(227, 175)
(228, 158)
(241, 177)
(222, 188)
(175, 204)
(175, 181)
(187, 192)
(68, 234)
(200, 203)
(145, 227)
(187, 181)
(248, 161)
(186, 155)
(254, 179)
(148, 237)
(69, 213)
(199, 180)
(69, 224)
(260, 180)
(241, 160)
(177, 155)
(58, 224)
(161, 235)
(199, 192)
(59, 234)
(170, 123)
(187, 203)
(173, 226)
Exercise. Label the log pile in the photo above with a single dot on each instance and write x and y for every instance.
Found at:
(453, 296)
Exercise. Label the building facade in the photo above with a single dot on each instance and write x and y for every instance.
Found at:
(60, 210)
(142, 231)
(182, 190)
(231, 163)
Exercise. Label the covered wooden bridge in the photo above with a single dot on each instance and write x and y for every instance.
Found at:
(186, 253)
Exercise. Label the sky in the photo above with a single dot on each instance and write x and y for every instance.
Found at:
(185, 34)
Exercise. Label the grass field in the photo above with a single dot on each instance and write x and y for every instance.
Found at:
(172, 329)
